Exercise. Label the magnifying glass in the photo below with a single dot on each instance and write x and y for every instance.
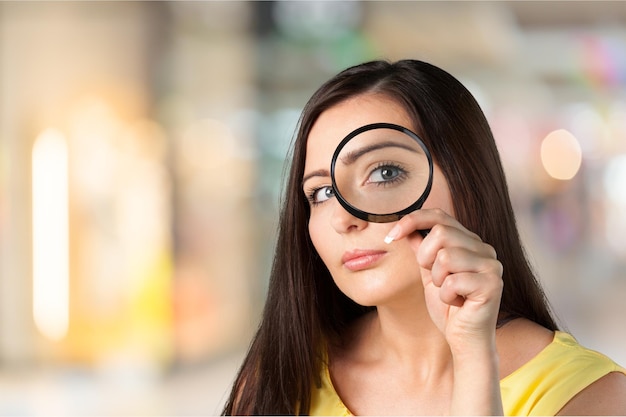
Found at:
(381, 172)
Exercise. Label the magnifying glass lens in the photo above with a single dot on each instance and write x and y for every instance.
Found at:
(382, 173)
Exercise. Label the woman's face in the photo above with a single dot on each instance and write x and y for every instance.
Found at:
(363, 266)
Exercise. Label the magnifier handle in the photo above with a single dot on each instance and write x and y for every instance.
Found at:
(424, 232)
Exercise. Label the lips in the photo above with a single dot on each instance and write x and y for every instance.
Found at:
(358, 260)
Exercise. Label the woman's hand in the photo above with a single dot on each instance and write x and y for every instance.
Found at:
(462, 280)
(461, 274)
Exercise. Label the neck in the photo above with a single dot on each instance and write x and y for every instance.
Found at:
(407, 336)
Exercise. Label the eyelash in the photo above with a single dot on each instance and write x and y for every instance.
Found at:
(311, 193)
(402, 175)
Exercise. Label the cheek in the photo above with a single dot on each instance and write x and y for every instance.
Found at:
(319, 234)
(405, 257)
(440, 196)
(439, 200)
(314, 233)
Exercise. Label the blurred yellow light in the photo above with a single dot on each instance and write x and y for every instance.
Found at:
(561, 155)
(50, 234)
(614, 180)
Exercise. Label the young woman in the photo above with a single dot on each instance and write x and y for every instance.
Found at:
(373, 318)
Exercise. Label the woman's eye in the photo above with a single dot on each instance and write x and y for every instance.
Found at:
(322, 194)
(384, 174)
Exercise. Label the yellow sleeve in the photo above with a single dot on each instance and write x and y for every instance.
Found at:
(324, 399)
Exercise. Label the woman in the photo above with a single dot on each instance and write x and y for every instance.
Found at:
(372, 318)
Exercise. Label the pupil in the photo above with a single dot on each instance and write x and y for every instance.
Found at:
(387, 173)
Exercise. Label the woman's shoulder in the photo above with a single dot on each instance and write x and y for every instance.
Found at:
(606, 396)
(518, 342)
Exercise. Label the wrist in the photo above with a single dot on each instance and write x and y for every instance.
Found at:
(472, 343)
(476, 381)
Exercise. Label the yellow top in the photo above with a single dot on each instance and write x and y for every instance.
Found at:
(542, 386)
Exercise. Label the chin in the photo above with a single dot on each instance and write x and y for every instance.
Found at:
(374, 290)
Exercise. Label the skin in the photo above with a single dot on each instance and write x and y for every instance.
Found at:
(431, 346)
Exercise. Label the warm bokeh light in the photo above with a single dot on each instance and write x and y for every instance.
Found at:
(615, 188)
(50, 234)
(561, 155)
(615, 179)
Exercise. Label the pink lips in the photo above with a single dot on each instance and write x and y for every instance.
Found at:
(358, 260)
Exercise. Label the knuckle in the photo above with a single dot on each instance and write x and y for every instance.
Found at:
(438, 231)
(491, 251)
(439, 212)
(444, 257)
(439, 215)
(496, 275)
(499, 268)
(494, 267)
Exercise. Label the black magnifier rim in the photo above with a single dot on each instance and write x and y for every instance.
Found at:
(386, 217)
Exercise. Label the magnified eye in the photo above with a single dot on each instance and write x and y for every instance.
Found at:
(379, 172)
(386, 173)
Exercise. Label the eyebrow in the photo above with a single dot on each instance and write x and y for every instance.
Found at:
(352, 156)
(318, 173)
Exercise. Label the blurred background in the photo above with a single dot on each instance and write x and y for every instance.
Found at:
(142, 149)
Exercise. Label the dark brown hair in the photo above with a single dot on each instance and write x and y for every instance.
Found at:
(304, 308)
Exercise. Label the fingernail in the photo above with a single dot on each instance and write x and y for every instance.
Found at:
(393, 233)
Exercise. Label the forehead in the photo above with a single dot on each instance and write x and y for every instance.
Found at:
(337, 121)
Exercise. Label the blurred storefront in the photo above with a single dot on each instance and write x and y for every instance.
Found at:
(142, 152)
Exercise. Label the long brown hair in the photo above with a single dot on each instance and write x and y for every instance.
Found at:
(304, 308)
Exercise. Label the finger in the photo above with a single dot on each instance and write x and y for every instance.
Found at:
(455, 260)
(448, 295)
(444, 238)
(478, 289)
(419, 220)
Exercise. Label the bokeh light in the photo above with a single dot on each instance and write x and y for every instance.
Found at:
(561, 155)
(51, 234)
(615, 179)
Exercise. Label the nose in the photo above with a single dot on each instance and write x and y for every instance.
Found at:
(344, 222)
